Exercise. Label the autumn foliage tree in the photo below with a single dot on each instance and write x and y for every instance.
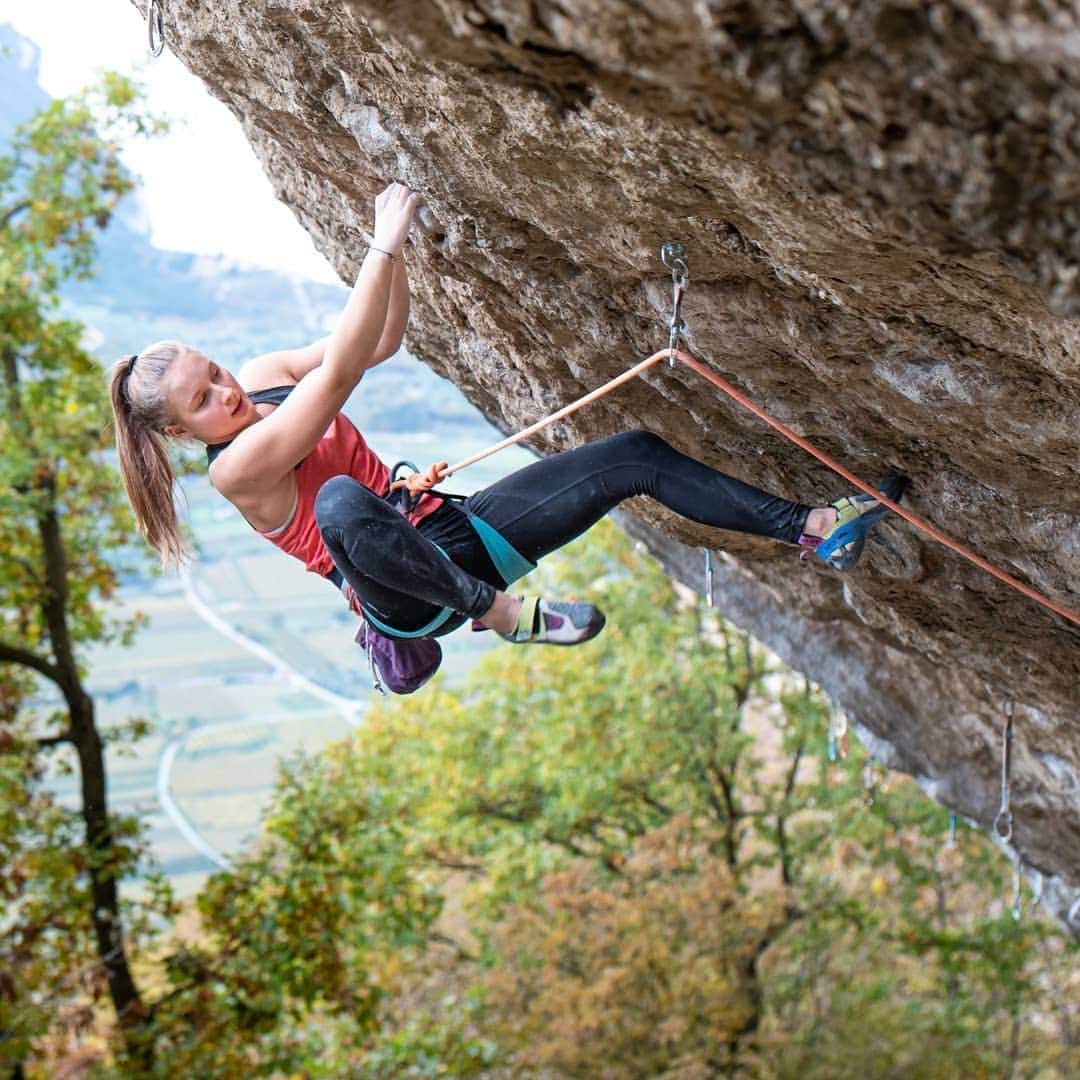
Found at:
(62, 522)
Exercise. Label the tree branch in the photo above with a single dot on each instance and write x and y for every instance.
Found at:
(12, 654)
(781, 819)
(49, 741)
(18, 208)
(447, 862)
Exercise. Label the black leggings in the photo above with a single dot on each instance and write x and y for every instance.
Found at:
(399, 573)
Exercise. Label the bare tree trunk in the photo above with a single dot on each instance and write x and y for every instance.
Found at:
(84, 735)
(82, 732)
(104, 893)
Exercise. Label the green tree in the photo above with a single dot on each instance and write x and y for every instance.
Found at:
(286, 966)
(62, 523)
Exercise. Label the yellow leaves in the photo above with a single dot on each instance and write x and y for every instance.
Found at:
(639, 969)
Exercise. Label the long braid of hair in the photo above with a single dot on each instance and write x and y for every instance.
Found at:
(139, 415)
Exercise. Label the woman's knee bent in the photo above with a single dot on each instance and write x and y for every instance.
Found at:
(638, 445)
(342, 499)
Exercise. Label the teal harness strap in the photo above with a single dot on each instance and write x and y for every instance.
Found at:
(428, 628)
(507, 560)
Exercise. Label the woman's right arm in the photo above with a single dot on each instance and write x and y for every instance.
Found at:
(269, 449)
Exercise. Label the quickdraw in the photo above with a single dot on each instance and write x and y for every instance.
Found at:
(673, 256)
(155, 23)
(1003, 823)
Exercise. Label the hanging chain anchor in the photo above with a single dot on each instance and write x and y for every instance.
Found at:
(1003, 823)
(155, 23)
(673, 256)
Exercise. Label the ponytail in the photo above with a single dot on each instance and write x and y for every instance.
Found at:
(140, 415)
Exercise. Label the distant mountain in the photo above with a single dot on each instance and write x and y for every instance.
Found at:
(20, 61)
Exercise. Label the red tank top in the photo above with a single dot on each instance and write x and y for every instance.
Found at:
(341, 451)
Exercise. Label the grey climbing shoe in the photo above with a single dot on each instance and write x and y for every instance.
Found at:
(554, 622)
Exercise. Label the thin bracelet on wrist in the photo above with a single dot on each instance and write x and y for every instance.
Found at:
(372, 247)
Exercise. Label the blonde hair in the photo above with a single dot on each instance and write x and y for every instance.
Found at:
(140, 413)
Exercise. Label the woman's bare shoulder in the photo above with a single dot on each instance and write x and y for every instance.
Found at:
(285, 367)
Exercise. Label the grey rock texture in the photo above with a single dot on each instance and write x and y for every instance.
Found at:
(881, 207)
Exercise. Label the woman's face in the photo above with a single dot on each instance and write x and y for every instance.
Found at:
(205, 401)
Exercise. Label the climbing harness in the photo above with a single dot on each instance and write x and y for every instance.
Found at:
(673, 256)
(155, 24)
(1003, 823)
(507, 560)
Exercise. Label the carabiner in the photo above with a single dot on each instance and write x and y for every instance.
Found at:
(155, 23)
(1003, 823)
(673, 256)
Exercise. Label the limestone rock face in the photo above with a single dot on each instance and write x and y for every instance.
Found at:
(880, 202)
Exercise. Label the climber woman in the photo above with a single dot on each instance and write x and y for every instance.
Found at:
(283, 453)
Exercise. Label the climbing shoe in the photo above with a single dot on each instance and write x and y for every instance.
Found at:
(552, 622)
(857, 514)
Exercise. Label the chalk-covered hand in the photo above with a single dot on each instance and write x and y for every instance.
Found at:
(394, 211)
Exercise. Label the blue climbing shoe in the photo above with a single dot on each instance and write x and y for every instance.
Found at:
(553, 622)
(857, 514)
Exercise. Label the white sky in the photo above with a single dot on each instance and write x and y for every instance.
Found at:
(202, 189)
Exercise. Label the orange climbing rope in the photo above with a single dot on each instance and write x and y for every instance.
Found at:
(424, 481)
